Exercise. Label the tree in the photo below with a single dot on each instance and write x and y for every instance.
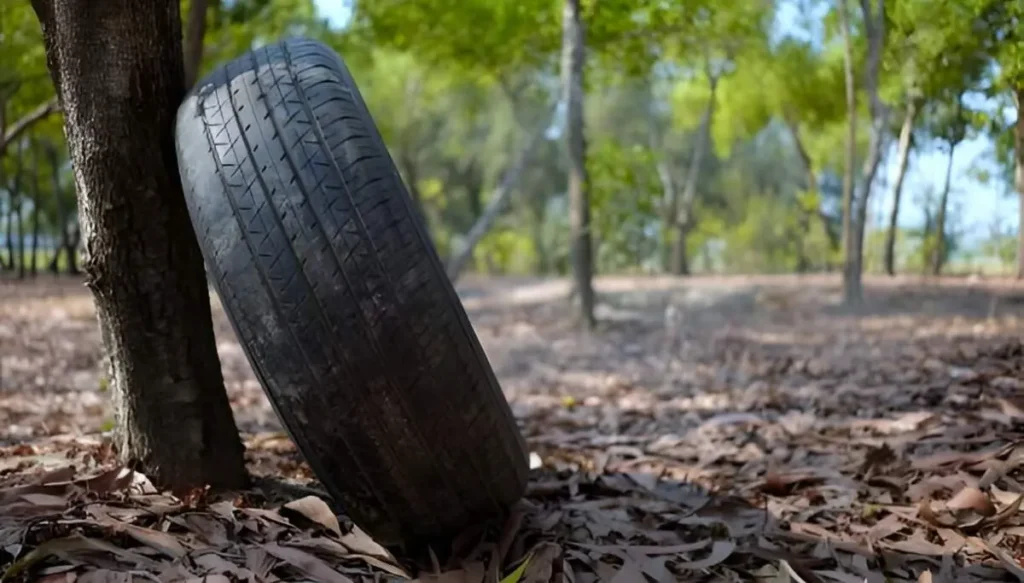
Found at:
(576, 145)
(855, 204)
(117, 67)
(850, 281)
(952, 127)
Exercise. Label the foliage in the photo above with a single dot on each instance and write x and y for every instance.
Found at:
(457, 87)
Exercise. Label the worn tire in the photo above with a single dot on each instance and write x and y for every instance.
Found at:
(339, 299)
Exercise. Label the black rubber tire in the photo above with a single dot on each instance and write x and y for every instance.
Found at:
(339, 299)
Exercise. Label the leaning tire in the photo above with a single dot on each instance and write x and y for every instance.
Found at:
(339, 299)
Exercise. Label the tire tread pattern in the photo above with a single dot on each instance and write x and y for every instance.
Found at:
(339, 298)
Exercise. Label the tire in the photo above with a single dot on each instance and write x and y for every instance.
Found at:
(339, 299)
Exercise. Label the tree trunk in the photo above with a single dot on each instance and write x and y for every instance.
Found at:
(849, 284)
(117, 66)
(195, 31)
(903, 159)
(19, 220)
(36, 200)
(874, 28)
(33, 266)
(495, 206)
(9, 232)
(71, 250)
(1018, 175)
(579, 197)
(812, 188)
(683, 219)
(53, 157)
(938, 257)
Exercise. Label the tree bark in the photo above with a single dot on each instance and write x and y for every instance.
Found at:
(903, 159)
(938, 257)
(582, 252)
(850, 151)
(1018, 175)
(117, 66)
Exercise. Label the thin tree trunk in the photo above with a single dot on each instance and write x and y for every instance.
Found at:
(903, 159)
(9, 232)
(938, 257)
(492, 211)
(850, 158)
(71, 250)
(19, 220)
(58, 201)
(117, 66)
(812, 187)
(14, 209)
(684, 218)
(195, 31)
(582, 252)
(874, 25)
(1018, 175)
(33, 265)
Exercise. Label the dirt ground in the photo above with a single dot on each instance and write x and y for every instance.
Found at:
(882, 441)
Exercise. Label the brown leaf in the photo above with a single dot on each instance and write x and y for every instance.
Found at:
(542, 558)
(307, 563)
(972, 499)
(314, 510)
(155, 539)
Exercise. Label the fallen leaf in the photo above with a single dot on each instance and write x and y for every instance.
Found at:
(307, 563)
(315, 510)
(972, 499)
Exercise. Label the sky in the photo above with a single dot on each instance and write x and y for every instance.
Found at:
(978, 204)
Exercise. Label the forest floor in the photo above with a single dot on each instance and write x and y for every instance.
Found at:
(719, 429)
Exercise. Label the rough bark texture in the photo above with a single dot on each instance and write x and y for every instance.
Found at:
(117, 66)
(1018, 176)
(903, 159)
(850, 159)
(579, 197)
(938, 257)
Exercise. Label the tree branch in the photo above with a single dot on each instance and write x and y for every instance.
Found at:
(12, 132)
